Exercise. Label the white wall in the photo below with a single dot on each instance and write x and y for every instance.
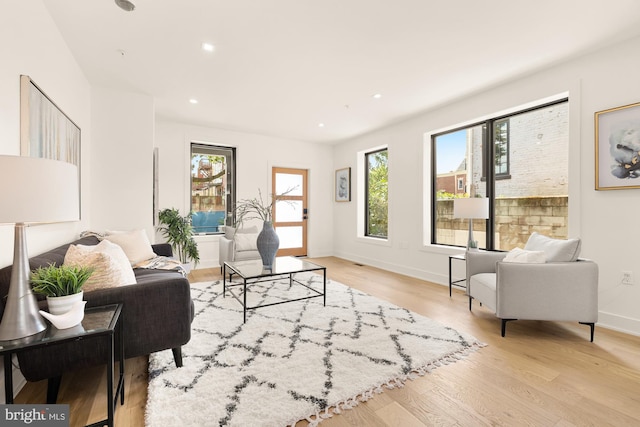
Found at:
(43, 56)
(122, 161)
(255, 157)
(604, 220)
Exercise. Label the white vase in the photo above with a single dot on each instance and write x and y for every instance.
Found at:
(69, 319)
(60, 305)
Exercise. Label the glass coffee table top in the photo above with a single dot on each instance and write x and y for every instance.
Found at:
(282, 265)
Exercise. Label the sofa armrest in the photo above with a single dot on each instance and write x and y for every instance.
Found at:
(162, 249)
(560, 291)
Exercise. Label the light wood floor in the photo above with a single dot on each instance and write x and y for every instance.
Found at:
(540, 374)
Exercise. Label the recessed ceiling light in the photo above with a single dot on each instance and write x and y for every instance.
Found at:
(320, 125)
(193, 101)
(377, 96)
(208, 47)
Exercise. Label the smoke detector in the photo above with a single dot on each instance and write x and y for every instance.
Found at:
(125, 5)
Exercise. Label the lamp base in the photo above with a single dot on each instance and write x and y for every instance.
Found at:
(21, 319)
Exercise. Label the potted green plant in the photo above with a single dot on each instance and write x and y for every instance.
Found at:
(61, 285)
(178, 232)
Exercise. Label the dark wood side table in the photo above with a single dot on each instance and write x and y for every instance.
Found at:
(460, 257)
(98, 321)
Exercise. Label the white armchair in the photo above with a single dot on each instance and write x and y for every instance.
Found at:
(564, 288)
(238, 244)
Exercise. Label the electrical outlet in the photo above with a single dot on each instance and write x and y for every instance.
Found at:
(627, 278)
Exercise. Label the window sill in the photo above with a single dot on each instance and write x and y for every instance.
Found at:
(374, 241)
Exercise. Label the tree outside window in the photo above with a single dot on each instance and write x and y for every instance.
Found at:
(377, 210)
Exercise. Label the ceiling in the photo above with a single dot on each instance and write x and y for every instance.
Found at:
(284, 67)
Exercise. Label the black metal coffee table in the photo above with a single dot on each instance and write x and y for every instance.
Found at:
(252, 271)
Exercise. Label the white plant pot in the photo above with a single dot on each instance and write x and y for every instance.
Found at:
(61, 305)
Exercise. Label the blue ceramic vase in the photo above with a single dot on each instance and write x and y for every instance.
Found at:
(268, 244)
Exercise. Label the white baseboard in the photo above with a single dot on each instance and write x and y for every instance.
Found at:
(619, 323)
(396, 268)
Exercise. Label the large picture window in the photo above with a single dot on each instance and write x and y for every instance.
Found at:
(519, 161)
(212, 187)
(376, 194)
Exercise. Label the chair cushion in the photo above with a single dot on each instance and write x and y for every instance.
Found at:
(246, 242)
(483, 288)
(230, 232)
(556, 250)
(521, 255)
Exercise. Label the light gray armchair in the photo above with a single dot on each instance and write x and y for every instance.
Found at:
(238, 245)
(564, 288)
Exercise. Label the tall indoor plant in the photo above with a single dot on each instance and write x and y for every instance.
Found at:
(178, 232)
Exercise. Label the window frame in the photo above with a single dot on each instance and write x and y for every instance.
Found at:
(230, 153)
(489, 173)
(366, 193)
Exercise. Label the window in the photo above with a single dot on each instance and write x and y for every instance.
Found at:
(523, 172)
(460, 184)
(212, 187)
(376, 194)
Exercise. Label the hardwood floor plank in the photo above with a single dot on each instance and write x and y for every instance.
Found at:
(540, 374)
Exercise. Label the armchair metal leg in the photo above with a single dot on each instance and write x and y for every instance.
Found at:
(470, 299)
(504, 325)
(592, 325)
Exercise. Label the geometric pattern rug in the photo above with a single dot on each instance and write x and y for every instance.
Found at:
(293, 361)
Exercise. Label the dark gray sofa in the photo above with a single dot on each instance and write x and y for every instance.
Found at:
(157, 313)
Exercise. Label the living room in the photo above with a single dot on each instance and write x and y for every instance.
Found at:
(120, 131)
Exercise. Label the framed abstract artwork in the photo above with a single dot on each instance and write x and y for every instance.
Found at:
(343, 185)
(618, 148)
(45, 130)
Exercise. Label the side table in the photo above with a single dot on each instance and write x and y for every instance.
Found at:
(98, 321)
(460, 257)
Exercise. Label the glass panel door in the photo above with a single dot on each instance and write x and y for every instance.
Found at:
(290, 210)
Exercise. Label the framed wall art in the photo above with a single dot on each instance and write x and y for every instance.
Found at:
(45, 130)
(618, 148)
(343, 185)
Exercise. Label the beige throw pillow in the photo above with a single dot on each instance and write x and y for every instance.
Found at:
(134, 243)
(111, 265)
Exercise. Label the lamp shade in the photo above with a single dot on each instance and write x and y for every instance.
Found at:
(35, 190)
(473, 207)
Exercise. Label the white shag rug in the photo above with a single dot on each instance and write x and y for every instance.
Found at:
(293, 361)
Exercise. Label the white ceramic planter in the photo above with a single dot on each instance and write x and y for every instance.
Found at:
(61, 305)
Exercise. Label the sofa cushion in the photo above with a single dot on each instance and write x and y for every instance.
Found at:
(556, 250)
(231, 232)
(134, 243)
(521, 255)
(111, 265)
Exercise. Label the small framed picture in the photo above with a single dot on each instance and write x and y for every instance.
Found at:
(343, 185)
(618, 148)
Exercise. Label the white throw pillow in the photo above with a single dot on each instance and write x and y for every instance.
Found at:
(246, 242)
(521, 255)
(556, 250)
(111, 265)
(135, 244)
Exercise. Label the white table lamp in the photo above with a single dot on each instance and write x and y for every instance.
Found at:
(471, 208)
(33, 191)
